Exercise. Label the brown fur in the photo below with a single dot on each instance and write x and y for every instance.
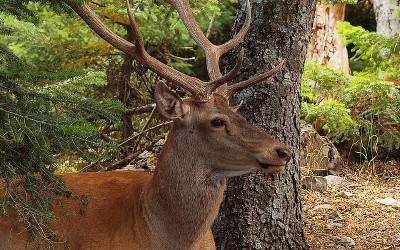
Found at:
(174, 208)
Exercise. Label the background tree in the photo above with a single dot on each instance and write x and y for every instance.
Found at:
(326, 47)
(386, 15)
(258, 213)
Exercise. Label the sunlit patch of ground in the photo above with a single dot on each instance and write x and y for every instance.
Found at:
(328, 217)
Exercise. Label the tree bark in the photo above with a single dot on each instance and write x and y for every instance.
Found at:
(387, 22)
(258, 213)
(326, 47)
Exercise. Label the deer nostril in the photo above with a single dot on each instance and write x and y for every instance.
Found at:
(283, 153)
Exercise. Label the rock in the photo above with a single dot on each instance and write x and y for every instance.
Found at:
(397, 238)
(322, 207)
(346, 241)
(333, 215)
(337, 181)
(345, 194)
(334, 225)
(145, 154)
(146, 161)
(317, 152)
(315, 183)
(389, 201)
(157, 147)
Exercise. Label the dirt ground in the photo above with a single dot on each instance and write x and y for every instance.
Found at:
(328, 217)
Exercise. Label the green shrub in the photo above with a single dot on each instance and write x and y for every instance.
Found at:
(360, 109)
(375, 105)
(323, 80)
(331, 118)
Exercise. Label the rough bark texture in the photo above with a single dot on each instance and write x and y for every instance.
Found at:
(387, 22)
(259, 213)
(325, 45)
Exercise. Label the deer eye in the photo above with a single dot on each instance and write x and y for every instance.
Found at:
(217, 123)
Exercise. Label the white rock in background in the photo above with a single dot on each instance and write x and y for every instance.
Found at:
(389, 201)
(316, 183)
(337, 181)
(346, 241)
(317, 152)
(345, 194)
(334, 225)
(322, 207)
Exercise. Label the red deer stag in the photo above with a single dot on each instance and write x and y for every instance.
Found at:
(208, 142)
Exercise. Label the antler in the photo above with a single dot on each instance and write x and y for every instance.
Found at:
(199, 89)
(137, 51)
(213, 52)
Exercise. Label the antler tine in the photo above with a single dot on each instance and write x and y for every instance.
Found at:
(195, 89)
(137, 51)
(213, 52)
(213, 85)
(232, 89)
(137, 36)
(238, 38)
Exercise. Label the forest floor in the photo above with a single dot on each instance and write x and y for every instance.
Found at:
(330, 218)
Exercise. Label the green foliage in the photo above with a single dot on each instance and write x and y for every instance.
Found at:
(35, 126)
(375, 105)
(331, 118)
(21, 10)
(324, 80)
(360, 109)
(50, 46)
(370, 94)
(374, 54)
(45, 111)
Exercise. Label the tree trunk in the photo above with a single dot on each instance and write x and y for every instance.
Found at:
(258, 213)
(325, 45)
(387, 22)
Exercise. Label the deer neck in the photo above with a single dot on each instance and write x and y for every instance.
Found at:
(183, 197)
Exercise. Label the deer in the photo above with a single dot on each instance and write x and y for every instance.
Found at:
(208, 142)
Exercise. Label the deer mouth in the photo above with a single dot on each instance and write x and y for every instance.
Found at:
(266, 165)
(271, 168)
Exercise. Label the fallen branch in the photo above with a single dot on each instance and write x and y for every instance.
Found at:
(145, 131)
(140, 110)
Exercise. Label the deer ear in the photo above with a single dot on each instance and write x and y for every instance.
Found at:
(168, 103)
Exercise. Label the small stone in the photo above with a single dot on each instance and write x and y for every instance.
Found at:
(346, 241)
(145, 154)
(316, 183)
(389, 201)
(337, 181)
(263, 218)
(334, 215)
(322, 207)
(334, 225)
(345, 194)
(397, 238)
(331, 172)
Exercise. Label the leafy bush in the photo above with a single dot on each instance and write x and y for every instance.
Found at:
(375, 105)
(359, 109)
(374, 55)
(323, 80)
(331, 118)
